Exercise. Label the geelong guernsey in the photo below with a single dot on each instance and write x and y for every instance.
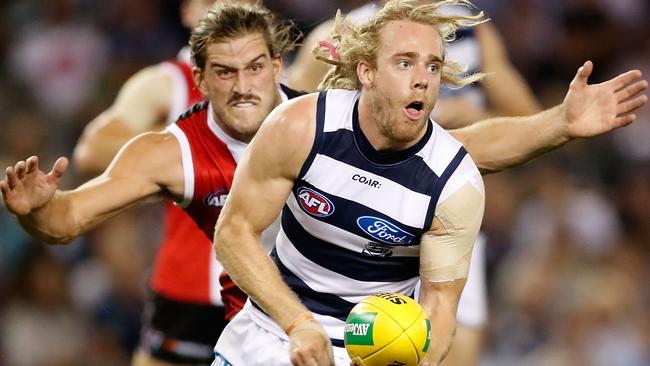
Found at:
(352, 224)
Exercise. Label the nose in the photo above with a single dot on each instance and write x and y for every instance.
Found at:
(420, 80)
(242, 83)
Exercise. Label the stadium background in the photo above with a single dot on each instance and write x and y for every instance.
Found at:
(569, 234)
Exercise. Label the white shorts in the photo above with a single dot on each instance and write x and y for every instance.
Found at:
(245, 343)
(472, 305)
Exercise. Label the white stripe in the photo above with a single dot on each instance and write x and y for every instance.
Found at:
(339, 105)
(323, 280)
(408, 207)
(464, 173)
(215, 286)
(333, 327)
(440, 150)
(188, 164)
(180, 93)
(337, 236)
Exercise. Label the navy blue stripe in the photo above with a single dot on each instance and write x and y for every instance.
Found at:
(413, 174)
(291, 93)
(317, 302)
(335, 342)
(318, 138)
(346, 262)
(385, 157)
(346, 212)
(440, 184)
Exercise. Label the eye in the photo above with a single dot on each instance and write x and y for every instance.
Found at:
(256, 67)
(433, 68)
(224, 74)
(403, 64)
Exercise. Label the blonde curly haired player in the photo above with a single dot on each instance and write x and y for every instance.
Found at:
(344, 166)
(474, 48)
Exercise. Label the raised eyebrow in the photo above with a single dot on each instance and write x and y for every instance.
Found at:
(231, 68)
(258, 58)
(436, 59)
(405, 54)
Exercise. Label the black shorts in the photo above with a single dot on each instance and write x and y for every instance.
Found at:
(180, 332)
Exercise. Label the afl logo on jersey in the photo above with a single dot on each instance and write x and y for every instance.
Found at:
(314, 203)
(216, 199)
(384, 231)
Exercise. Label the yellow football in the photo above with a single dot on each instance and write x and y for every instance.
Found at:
(387, 329)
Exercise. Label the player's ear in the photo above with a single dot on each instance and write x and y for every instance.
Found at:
(365, 73)
(277, 68)
(199, 80)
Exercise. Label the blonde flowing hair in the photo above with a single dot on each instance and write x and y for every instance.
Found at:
(356, 42)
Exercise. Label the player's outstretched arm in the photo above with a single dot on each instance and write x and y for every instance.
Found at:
(587, 110)
(445, 253)
(141, 170)
(142, 105)
(262, 183)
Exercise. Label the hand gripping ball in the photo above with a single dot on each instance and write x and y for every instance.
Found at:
(387, 329)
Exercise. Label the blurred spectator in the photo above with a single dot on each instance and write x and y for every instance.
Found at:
(58, 57)
(35, 321)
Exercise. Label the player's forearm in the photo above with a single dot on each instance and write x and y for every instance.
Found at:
(53, 223)
(441, 311)
(503, 142)
(253, 271)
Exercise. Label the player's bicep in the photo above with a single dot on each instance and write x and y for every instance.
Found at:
(151, 162)
(265, 174)
(446, 249)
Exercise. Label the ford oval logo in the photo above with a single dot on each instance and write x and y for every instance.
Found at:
(314, 203)
(384, 231)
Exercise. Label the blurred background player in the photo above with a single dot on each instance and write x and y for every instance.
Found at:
(480, 49)
(184, 313)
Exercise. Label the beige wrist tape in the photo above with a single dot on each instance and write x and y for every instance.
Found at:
(445, 251)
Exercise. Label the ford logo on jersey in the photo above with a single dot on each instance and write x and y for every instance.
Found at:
(314, 203)
(384, 231)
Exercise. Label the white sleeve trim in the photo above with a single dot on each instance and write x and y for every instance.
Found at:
(188, 165)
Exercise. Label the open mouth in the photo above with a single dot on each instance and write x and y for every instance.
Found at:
(414, 110)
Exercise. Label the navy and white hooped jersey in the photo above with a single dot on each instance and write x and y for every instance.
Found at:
(352, 225)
